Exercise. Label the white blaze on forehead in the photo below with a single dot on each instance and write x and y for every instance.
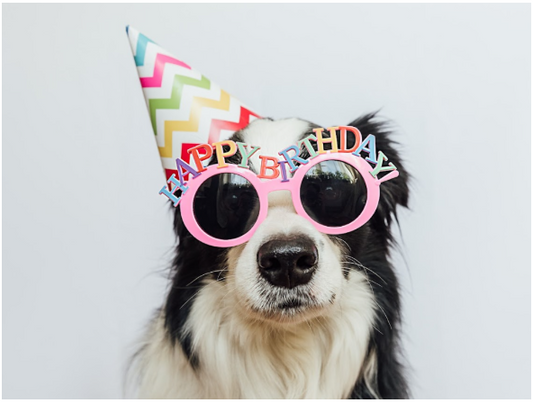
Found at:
(273, 136)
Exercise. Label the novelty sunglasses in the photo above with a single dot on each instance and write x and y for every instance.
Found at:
(336, 192)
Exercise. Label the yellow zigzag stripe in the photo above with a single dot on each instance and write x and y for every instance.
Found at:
(191, 125)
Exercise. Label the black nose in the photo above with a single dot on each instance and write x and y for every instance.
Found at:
(288, 262)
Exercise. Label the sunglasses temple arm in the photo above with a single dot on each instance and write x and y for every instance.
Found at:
(389, 176)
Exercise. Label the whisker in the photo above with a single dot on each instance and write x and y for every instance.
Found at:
(222, 271)
(357, 263)
(384, 315)
(205, 274)
(347, 269)
(186, 287)
(365, 269)
(194, 295)
(345, 243)
(372, 281)
(377, 330)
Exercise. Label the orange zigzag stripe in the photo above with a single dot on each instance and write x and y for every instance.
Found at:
(192, 124)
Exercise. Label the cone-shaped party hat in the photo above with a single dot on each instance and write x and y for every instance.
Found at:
(186, 109)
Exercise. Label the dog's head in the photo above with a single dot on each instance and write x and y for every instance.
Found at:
(289, 272)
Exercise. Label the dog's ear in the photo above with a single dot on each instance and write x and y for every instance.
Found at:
(393, 192)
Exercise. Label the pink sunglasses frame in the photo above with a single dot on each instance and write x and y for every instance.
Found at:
(292, 185)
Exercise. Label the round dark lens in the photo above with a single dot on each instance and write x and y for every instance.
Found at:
(226, 206)
(333, 193)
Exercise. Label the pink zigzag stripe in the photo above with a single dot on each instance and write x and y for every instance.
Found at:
(160, 62)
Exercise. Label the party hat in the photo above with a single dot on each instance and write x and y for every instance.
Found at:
(186, 109)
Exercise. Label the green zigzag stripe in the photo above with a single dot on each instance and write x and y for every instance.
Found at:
(174, 101)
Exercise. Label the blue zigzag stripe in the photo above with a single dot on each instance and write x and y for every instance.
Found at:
(142, 42)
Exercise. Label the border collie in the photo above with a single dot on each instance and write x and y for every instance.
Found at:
(224, 331)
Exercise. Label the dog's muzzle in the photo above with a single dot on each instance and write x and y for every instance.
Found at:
(288, 262)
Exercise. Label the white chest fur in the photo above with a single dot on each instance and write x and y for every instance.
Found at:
(240, 358)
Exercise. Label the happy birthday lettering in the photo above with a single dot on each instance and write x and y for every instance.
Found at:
(272, 167)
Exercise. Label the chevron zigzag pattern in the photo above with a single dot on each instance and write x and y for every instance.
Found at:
(177, 90)
(196, 110)
(157, 78)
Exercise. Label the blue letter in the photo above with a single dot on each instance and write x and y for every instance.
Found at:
(170, 194)
(371, 149)
(285, 154)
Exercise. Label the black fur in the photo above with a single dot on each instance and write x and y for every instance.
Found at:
(374, 254)
(370, 245)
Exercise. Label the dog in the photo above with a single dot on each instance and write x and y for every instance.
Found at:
(228, 330)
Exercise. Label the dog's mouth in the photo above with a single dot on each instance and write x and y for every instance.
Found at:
(288, 308)
(291, 304)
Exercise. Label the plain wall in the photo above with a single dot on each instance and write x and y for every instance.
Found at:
(87, 238)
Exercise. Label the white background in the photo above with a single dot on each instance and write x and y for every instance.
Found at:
(87, 238)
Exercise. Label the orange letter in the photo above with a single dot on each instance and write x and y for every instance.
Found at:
(332, 139)
(193, 151)
(264, 168)
(344, 140)
(220, 151)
